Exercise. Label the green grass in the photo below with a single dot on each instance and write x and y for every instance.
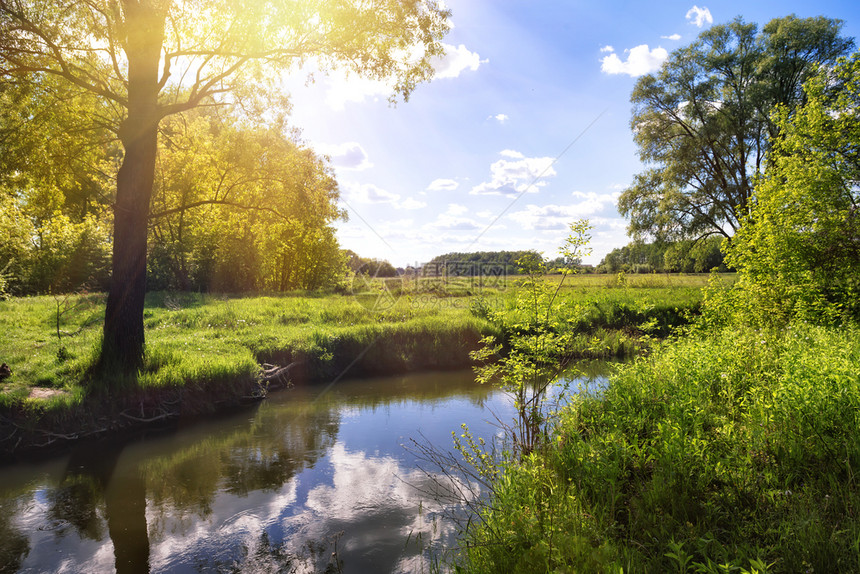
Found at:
(731, 452)
(193, 337)
(609, 316)
(205, 353)
(390, 325)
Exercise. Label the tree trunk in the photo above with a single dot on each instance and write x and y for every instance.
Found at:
(125, 512)
(123, 343)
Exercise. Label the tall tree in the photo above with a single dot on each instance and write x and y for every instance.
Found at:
(798, 250)
(240, 205)
(153, 58)
(56, 184)
(702, 124)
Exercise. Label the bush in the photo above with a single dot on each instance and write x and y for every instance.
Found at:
(798, 250)
(69, 255)
(735, 448)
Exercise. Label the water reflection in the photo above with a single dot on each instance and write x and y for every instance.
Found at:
(313, 480)
(14, 544)
(92, 513)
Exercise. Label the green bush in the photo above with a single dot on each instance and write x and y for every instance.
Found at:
(737, 448)
(798, 249)
(69, 256)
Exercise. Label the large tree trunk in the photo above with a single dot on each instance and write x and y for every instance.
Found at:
(123, 343)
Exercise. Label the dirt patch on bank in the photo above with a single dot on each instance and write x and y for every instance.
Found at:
(45, 393)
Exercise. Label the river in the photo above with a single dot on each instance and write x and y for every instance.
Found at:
(313, 479)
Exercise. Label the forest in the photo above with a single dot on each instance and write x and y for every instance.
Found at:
(237, 206)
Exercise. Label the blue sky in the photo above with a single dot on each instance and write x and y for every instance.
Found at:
(531, 92)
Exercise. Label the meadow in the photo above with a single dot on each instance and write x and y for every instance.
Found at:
(52, 342)
(214, 347)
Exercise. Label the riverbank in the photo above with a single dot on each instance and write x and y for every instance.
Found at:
(207, 353)
(730, 451)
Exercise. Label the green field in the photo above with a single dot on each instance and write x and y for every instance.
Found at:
(396, 324)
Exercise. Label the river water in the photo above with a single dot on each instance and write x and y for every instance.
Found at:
(314, 479)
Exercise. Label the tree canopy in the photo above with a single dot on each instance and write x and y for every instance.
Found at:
(145, 60)
(703, 123)
(238, 204)
(240, 207)
(798, 250)
(56, 185)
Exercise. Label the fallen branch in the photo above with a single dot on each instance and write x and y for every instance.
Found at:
(271, 373)
(162, 416)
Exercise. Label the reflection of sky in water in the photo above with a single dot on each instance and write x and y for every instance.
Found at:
(55, 546)
(353, 489)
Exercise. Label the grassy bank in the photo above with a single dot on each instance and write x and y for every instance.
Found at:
(608, 315)
(194, 336)
(730, 452)
(206, 351)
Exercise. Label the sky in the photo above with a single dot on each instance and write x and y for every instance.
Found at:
(524, 128)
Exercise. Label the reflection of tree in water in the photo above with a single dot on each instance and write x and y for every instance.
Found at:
(398, 390)
(277, 445)
(99, 498)
(78, 501)
(282, 442)
(14, 545)
(92, 482)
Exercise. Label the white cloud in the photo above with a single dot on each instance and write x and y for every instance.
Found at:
(516, 175)
(607, 48)
(411, 203)
(700, 16)
(674, 37)
(231, 519)
(349, 155)
(456, 209)
(343, 87)
(450, 222)
(443, 185)
(369, 193)
(501, 118)
(557, 217)
(359, 482)
(640, 60)
(456, 60)
(404, 223)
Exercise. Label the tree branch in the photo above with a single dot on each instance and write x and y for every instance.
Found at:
(203, 202)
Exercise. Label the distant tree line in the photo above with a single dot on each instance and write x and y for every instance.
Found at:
(368, 266)
(679, 257)
(472, 263)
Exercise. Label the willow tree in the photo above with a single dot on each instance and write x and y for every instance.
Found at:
(702, 123)
(150, 59)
